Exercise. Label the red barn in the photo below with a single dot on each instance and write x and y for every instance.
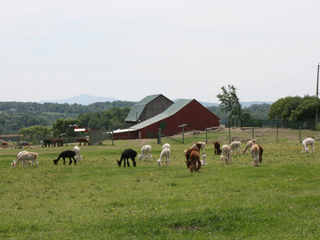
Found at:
(184, 111)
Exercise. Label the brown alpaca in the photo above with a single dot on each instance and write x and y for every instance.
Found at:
(217, 150)
(4, 145)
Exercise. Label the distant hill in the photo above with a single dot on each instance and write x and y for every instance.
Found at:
(82, 99)
(85, 100)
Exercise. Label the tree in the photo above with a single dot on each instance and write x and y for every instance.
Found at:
(230, 101)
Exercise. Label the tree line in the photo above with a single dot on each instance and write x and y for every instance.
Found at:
(36, 121)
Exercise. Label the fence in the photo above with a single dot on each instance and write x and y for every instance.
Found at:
(310, 125)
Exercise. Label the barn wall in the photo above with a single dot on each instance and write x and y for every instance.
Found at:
(155, 107)
(126, 135)
(194, 114)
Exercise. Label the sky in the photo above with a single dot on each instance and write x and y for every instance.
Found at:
(127, 50)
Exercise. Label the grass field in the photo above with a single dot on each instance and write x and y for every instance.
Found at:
(96, 199)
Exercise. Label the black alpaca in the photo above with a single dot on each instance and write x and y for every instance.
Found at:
(46, 143)
(126, 154)
(66, 154)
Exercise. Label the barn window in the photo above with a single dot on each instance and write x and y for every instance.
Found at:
(163, 125)
(149, 134)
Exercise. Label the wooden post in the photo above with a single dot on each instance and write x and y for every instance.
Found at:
(229, 132)
(159, 136)
(252, 132)
(112, 137)
(206, 136)
(182, 135)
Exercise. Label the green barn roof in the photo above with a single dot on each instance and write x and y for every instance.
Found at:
(137, 109)
(173, 109)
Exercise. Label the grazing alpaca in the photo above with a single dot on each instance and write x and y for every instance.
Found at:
(165, 153)
(260, 153)
(226, 154)
(23, 161)
(217, 150)
(66, 154)
(308, 142)
(126, 154)
(26, 157)
(255, 155)
(200, 146)
(194, 160)
(145, 151)
(166, 145)
(77, 157)
(249, 145)
(235, 145)
(4, 145)
(85, 141)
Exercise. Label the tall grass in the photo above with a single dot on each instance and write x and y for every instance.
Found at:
(98, 200)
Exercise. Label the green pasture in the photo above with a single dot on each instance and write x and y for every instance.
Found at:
(95, 199)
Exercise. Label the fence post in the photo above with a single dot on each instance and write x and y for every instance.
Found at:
(252, 132)
(277, 132)
(206, 136)
(229, 132)
(112, 137)
(159, 137)
(182, 135)
(300, 133)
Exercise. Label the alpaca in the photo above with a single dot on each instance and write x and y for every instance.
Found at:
(126, 154)
(255, 155)
(235, 145)
(46, 142)
(200, 145)
(145, 151)
(4, 145)
(217, 150)
(24, 144)
(77, 156)
(66, 154)
(165, 153)
(166, 145)
(226, 154)
(56, 142)
(194, 160)
(23, 161)
(308, 142)
(249, 145)
(27, 156)
(85, 141)
(204, 161)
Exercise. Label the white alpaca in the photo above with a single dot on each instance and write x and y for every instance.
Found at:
(226, 154)
(145, 151)
(23, 162)
(235, 145)
(28, 156)
(308, 142)
(250, 143)
(255, 155)
(204, 161)
(77, 157)
(202, 146)
(166, 145)
(164, 154)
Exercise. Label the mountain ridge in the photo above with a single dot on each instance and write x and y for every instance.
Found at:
(85, 99)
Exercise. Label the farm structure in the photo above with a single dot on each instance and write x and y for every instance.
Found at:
(147, 108)
(183, 111)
